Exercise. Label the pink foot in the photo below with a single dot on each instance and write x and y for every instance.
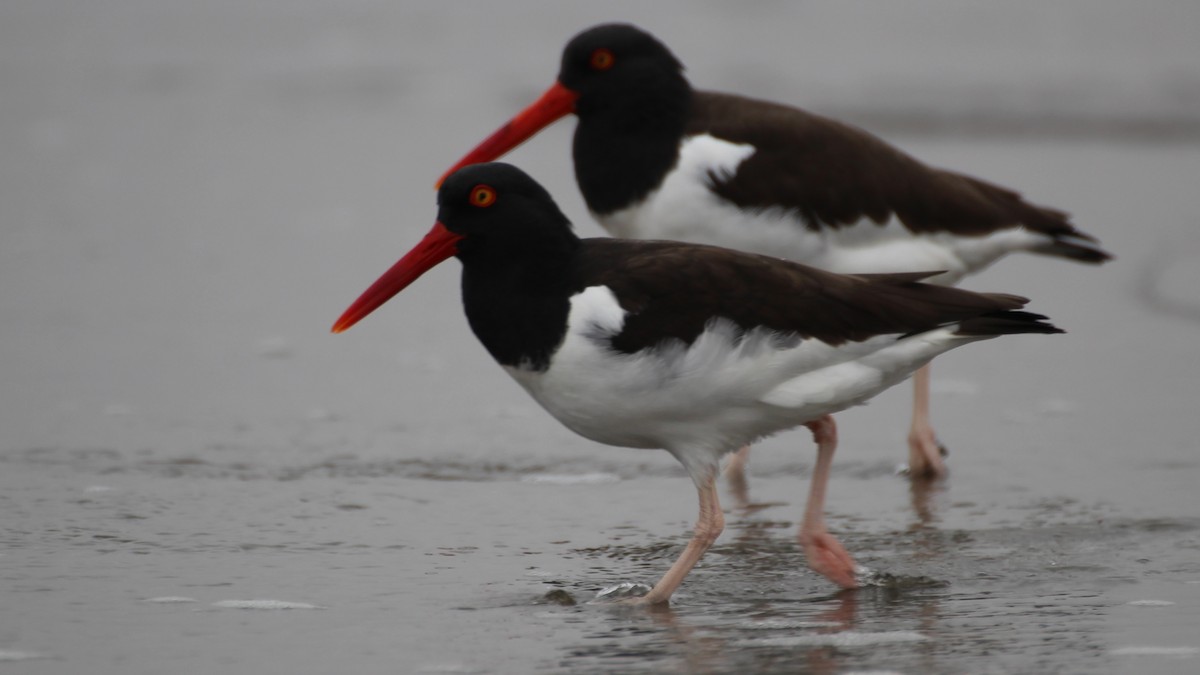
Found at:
(925, 454)
(827, 556)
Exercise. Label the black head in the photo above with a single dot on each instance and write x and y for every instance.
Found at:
(632, 101)
(496, 220)
(517, 251)
(617, 61)
(496, 207)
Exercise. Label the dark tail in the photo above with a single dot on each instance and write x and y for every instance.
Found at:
(1075, 248)
(1067, 241)
(1007, 323)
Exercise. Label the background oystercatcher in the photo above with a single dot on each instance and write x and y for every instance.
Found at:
(656, 159)
(690, 348)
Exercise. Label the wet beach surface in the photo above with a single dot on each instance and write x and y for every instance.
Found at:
(196, 477)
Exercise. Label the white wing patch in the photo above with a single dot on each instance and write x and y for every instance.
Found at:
(683, 208)
(595, 313)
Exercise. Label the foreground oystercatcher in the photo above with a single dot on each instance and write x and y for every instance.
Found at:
(690, 348)
(656, 159)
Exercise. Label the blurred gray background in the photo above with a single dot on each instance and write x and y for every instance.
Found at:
(191, 192)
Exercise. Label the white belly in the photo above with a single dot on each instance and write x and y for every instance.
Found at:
(703, 400)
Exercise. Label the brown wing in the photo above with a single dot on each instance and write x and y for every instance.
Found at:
(833, 174)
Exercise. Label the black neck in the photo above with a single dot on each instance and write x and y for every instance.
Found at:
(516, 297)
(624, 148)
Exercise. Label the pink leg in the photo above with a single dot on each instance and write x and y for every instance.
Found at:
(924, 451)
(825, 554)
(708, 527)
(735, 468)
(735, 475)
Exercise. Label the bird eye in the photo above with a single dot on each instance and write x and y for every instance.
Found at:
(602, 59)
(483, 195)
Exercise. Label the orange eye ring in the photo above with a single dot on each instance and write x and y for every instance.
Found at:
(482, 196)
(602, 59)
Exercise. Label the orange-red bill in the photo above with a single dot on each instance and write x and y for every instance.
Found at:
(557, 102)
(438, 245)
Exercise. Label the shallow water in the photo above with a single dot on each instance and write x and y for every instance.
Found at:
(195, 477)
(115, 563)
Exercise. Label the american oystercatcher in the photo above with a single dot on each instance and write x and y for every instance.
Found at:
(656, 159)
(690, 348)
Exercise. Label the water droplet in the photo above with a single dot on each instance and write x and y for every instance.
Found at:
(627, 589)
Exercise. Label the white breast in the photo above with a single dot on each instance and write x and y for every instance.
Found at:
(725, 389)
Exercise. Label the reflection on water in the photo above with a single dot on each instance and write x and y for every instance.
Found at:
(1009, 595)
(1031, 583)
(924, 495)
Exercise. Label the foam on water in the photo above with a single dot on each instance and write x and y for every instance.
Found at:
(626, 589)
(1150, 603)
(780, 624)
(264, 604)
(844, 639)
(168, 599)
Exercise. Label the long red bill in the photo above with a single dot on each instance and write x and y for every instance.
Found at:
(557, 102)
(438, 245)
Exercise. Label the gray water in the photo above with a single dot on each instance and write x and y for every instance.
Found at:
(196, 477)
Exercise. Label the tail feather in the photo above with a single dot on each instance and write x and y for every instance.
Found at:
(1006, 323)
(1075, 248)
(1066, 240)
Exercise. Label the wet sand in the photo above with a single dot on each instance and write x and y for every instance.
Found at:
(196, 477)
